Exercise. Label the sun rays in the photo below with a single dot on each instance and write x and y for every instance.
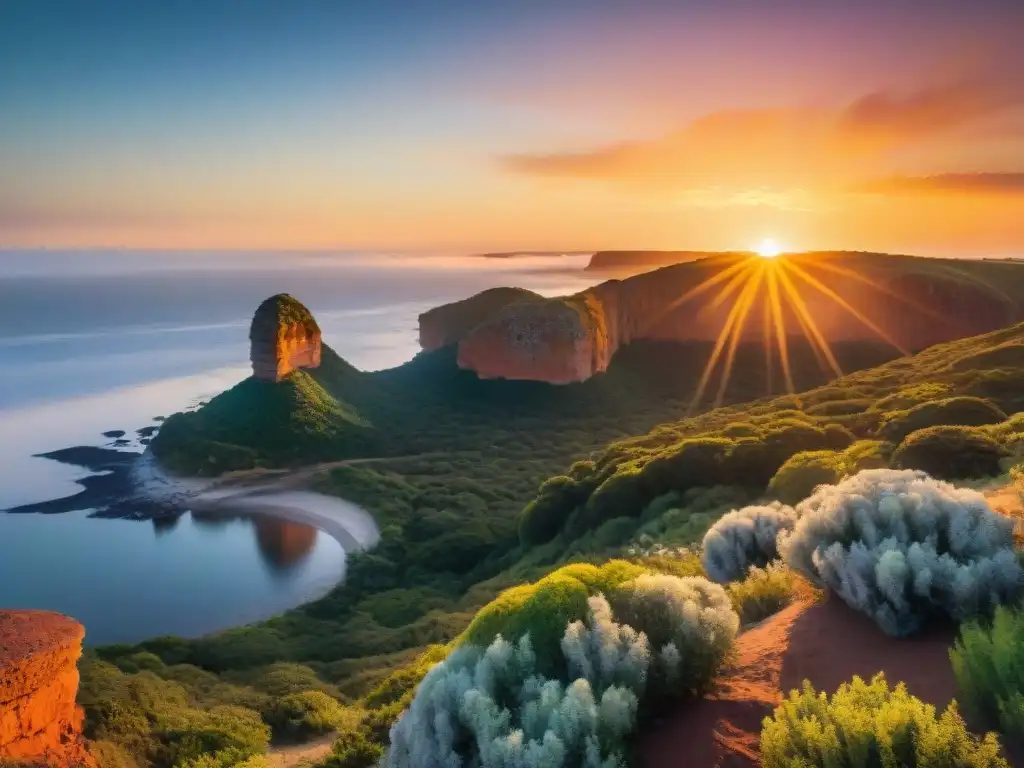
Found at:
(776, 283)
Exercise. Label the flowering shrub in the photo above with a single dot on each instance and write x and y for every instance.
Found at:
(743, 538)
(902, 547)
(867, 725)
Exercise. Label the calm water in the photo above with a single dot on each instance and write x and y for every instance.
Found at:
(92, 342)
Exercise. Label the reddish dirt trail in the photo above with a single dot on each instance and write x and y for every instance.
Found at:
(826, 643)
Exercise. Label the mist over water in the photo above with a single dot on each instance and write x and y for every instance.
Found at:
(98, 341)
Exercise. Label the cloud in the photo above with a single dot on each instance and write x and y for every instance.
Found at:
(784, 148)
(947, 183)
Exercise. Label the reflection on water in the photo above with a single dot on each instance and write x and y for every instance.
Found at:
(282, 543)
(128, 580)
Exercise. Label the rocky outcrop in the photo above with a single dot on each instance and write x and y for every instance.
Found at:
(282, 338)
(914, 302)
(448, 323)
(40, 724)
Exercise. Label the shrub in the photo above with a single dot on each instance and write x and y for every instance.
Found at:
(950, 453)
(544, 517)
(951, 411)
(866, 724)
(689, 623)
(805, 471)
(543, 609)
(490, 707)
(764, 592)
(743, 538)
(354, 749)
(300, 716)
(902, 547)
(989, 666)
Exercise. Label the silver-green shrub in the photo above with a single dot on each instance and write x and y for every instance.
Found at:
(745, 537)
(490, 708)
(689, 623)
(901, 547)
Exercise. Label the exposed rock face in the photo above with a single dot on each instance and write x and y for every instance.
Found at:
(448, 323)
(283, 337)
(40, 724)
(914, 302)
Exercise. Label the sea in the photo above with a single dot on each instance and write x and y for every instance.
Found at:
(98, 345)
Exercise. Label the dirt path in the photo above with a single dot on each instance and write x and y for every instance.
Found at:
(285, 479)
(299, 754)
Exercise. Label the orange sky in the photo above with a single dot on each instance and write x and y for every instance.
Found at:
(873, 126)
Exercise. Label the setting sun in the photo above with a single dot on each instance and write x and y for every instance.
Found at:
(768, 249)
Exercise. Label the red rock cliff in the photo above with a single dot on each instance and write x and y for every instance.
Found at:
(283, 337)
(915, 302)
(40, 724)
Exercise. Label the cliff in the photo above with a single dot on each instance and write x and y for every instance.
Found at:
(446, 324)
(914, 302)
(283, 337)
(40, 724)
(631, 262)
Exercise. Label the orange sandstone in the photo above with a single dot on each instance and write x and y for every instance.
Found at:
(283, 337)
(40, 724)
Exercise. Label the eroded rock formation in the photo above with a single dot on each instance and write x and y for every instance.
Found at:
(282, 338)
(40, 724)
(448, 323)
(912, 302)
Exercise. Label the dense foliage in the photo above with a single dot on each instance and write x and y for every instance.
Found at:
(508, 705)
(902, 547)
(988, 661)
(867, 725)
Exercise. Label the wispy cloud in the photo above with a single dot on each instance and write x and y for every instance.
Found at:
(771, 151)
(947, 183)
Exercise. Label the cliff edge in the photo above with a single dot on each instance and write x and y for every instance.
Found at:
(283, 337)
(40, 724)
(910, 302)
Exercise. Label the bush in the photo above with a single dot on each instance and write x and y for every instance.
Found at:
(544, 517)
(950, 453)
(867, 725)
(491, 707)
(543, 609)
(952, 411)
(902, 547)
(743, 538)
(689, 623)
(764, 592)
(989, 666)
(301, 716)
(805, 471)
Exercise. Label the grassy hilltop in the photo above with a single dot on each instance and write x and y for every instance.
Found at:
(482, 486)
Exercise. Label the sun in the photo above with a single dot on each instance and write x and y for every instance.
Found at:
(768, 249)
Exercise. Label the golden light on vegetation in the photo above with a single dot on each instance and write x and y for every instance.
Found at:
(776, 282)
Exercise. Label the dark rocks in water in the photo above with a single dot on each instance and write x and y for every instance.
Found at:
(145, 441)
(147, 431)
(121, 442)
(114, 433)
(159, 418)
(92, 458)
(111, 493)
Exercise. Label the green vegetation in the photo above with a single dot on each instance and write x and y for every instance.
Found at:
(868, 726)
(453, 477)
(951, 452)
(766, 591)
(988, 662)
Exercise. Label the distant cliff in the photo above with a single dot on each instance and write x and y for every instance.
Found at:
(916, 302)
(633, 262)
(282, 338)
(448, 323)
(40, 724)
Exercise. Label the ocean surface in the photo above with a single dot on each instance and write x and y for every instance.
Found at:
(94, 342)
